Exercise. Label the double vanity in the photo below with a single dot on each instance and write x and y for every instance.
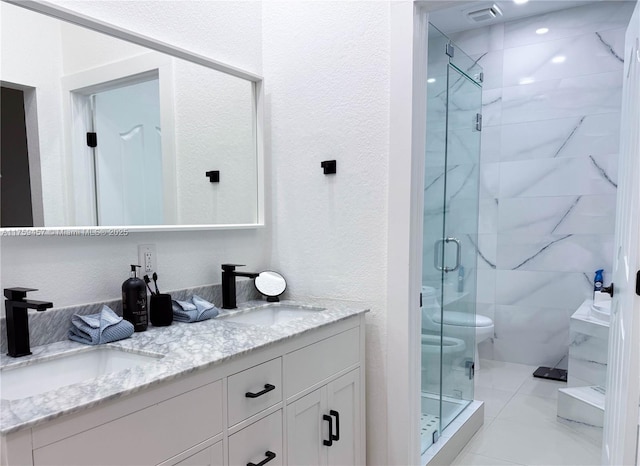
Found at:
(279, 383)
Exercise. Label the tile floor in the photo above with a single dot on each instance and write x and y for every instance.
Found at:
(520, 424)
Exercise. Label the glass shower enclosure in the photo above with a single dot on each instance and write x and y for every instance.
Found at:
(450, 238)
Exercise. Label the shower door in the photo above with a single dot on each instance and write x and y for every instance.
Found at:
(450, 238)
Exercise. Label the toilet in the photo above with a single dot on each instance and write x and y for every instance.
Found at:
(456, 324)
(452, 350)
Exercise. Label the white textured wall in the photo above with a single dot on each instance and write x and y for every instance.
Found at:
(227, 31)
(212, 113)
(327, 97)
(83, 49)
(215, 130)
(327, 91)
(17, 42)
(79, 270)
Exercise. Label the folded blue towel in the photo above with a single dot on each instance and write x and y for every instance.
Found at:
(95, 329)
(195, 310)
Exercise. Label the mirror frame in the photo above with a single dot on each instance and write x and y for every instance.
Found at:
(58, 12)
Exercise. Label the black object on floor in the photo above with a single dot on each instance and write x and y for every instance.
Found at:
(551, 373)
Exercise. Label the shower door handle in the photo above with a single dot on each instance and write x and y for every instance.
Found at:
(438, 247)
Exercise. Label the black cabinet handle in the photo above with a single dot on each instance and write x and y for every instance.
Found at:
(329, 442)
(267, 388)
(270, 455)
(336, 414)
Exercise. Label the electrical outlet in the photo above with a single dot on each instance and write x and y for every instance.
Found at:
(147, 258)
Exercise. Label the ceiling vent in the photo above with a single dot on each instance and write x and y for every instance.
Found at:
(483, 15)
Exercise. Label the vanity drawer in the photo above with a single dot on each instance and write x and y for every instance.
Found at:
(315, 363)
(250, 391)
(257, 442)
(170, 427)
(211, 456)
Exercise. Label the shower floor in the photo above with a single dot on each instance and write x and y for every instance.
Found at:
(430, 422)
(428, 425)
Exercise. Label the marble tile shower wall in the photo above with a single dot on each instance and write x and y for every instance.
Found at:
(551, 111)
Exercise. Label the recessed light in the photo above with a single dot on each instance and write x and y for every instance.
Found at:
(520, 2)
(431, 80)
(526, 81)
(542, 31)
(558, 59)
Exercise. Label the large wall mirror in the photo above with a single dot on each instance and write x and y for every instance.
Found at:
(101, 131)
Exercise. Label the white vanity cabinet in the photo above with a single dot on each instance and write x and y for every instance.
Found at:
(323, 427)
(210, 456)
(268, 407)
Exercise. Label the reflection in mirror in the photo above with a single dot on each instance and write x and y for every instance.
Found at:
(270, 284)
(160, 124)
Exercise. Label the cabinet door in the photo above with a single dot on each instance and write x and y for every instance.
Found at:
(306, 430)
(211, 456)
(343, 404)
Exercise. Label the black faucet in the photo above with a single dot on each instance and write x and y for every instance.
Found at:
(229, 275)
(18, 319)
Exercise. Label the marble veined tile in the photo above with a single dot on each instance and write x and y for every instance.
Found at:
(559, 177)
(592, 53)
(531, 335)
(490, 181)
(437, 103)
(502, 375)
(578, 136)
(584, 405)
(533, 324)
(561, 98)
(535, 409)
(487, 216)
(587, 359)
(480, 40)
(487, 251)
(491, 107)
(469, 459)
(598, 16)
(463, 145)
(558, 290)
(486, 289)
(560, 215)
(491, 144)
(560, 253)
(545, 388)
(524, 443)
(462, 217)
(491, 63)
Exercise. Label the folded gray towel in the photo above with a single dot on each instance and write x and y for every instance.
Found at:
(195, 310)
(95, 329)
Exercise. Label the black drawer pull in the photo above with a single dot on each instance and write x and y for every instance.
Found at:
(270, 455)
(336, 414)
(327, 418)
(267, 388)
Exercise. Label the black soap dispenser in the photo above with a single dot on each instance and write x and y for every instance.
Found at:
(134, 301)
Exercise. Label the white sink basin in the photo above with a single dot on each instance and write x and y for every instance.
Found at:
(271, 315)
(601, 311)
(40, 377)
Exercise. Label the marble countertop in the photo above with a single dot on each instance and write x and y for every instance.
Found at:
(186, 348)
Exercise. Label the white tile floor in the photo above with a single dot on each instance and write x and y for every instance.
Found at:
(520, 424)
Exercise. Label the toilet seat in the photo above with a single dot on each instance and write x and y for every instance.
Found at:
(461, 319)
(432, 343)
